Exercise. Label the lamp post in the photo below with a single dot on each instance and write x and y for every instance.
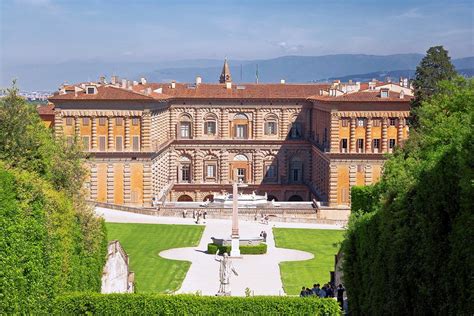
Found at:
(235, 250)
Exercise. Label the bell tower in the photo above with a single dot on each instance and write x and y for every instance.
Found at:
(225, 74)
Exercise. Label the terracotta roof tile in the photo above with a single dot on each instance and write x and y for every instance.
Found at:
(363, 96)
(103, 93)
(45, 109)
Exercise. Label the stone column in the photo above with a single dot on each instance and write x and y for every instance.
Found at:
(110, 133)
(94, 133)
(368, 135)
(258, 167)
(333, 187)
(197, 167)
(77, 127)
(352, 135)
(110, 183)
(127, 133)
(145, 131)
(127, 191)
(400, 126)
(284, 124)
(58, 124)
(173, 167)
(93, 182)
(334, 133)
(173, 122)
(147, 184)
(198, 124)
(384, 135)
(368, 175)
(224, 167)
(224, 130)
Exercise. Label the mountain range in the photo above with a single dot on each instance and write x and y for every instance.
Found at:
(291, 68)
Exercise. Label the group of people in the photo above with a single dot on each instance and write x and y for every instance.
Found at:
(264, 235)
(196, 215)
(328, 290)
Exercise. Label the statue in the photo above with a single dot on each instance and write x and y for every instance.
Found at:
(224, 274)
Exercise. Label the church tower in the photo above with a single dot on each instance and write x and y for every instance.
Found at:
(225, 75)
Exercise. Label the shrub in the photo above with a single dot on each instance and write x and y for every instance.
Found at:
(155, 304)
(244, 250)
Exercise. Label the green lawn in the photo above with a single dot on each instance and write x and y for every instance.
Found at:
(320, 242)
(143, 243)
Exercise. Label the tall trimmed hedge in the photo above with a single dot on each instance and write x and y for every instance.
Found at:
(412, 253)
(154, 304)
(244, 250)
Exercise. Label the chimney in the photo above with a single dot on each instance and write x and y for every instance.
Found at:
(129, 84)
(228, 85)
(124, 83)
(135, 83)
(114, 80)
(402, 94)
(357, 85)
(405, 82)
(148, 91)
(384, 93)
(102, 80)
(143, 80)
(198, 80)
(282, 81)
(173, 84)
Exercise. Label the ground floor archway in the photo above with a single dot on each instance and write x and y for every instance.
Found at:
(271, 198)
(185, 198)
(295, 198)
(209, 198)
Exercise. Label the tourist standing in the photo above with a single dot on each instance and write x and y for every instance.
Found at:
(204, 215)
(340, 295)
(316, 289)
(264, 235)
(303, 292)
(194, 214)
(322, 292)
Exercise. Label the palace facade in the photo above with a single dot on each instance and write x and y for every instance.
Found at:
(188, 142)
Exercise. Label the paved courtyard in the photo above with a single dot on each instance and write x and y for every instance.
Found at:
(259, 273)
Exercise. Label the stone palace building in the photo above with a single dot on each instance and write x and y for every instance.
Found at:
(190, 141)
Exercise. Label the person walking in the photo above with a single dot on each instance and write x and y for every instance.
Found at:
(264, 235)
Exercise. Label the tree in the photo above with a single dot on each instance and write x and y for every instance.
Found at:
(433, 68)
(50, 241)
(413, 253)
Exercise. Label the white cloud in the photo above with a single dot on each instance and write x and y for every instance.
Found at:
(413, 13)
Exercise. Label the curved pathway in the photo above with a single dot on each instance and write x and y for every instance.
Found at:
(259, 273)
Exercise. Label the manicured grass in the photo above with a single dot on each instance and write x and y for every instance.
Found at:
(320, 242)
(143, 243)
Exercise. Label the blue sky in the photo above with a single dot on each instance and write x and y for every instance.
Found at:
(44, 31)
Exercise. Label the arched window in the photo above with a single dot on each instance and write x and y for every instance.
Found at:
(270, 169)
(296, 170)
(241, 126)
(210, 125)
(295, 198)
(240, 157)
(271, 124)
(184, 128)
(184, 169)
(210, 168)
(185, 198)
(209, 198)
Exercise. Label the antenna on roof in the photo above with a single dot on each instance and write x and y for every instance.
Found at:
(240, 72)
(256, 75)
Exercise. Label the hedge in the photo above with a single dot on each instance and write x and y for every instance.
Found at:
(244, 250)
(156, 304)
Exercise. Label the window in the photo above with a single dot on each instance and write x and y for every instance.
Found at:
(119, 121)
(241, 174)
(135, 121)
(85, 121)
(102, 121)
(70, 141)
(360, 168)
(186, 173)
(136, 143)
(241, 131)
(393, 121)
(102, 143)
(360, 145)
(391, 143)
(344, 145)
(296, 170)
(271, 128)
(345, 122)
(360, 122)
(295, 131)
(376, 145)
(270, 171)
(377, 122)
(69, 121)
(90, 90)
(118, 143)
(185, 129)
(85, 143)
(210, 128)
(211, 171)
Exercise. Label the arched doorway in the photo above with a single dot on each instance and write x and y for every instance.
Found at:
(209, 198)
(185, 198)
(295, 198)
(271, 198)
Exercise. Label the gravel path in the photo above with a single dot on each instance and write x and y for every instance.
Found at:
(259, 273)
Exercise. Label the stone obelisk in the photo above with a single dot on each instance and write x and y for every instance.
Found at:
(235, 252)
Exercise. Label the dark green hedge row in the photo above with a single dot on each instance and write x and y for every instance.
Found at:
(244, 250)
(155, 304)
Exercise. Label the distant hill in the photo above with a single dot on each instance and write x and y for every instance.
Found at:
(290, 68)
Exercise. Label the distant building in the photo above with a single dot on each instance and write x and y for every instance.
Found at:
(116, 276)
(190, 141)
